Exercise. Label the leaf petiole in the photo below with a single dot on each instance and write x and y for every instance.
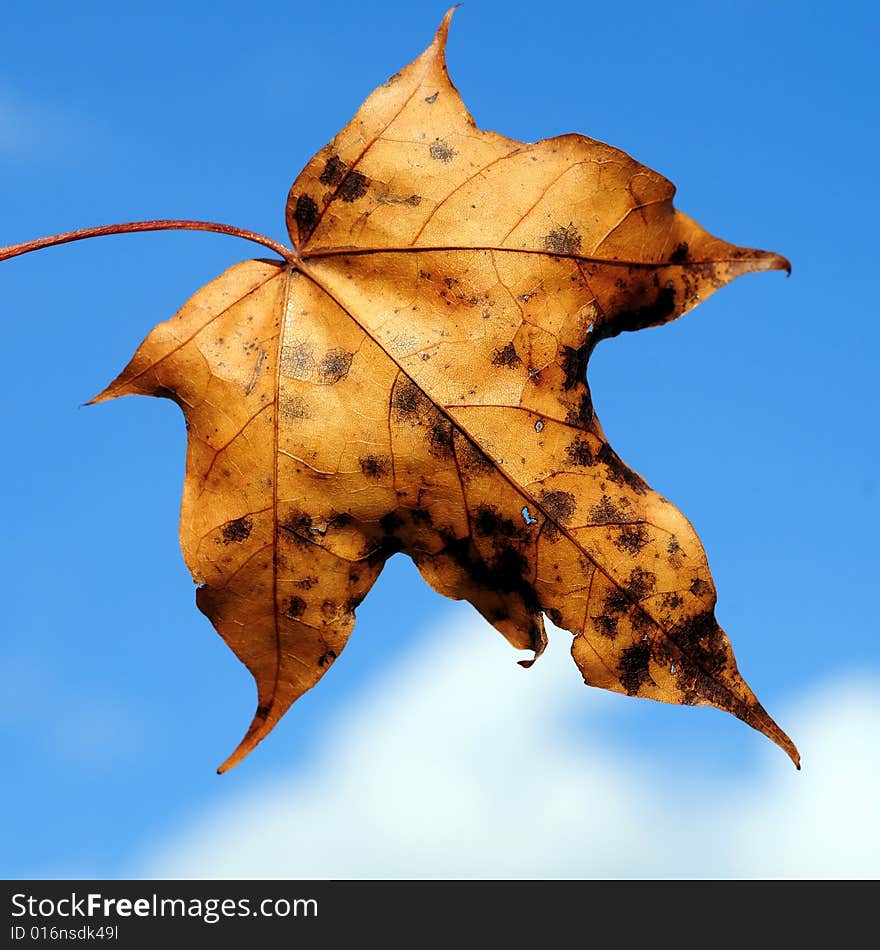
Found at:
(131, 227)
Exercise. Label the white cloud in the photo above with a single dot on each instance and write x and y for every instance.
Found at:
(459, 764)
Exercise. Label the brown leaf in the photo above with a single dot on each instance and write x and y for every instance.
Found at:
(413, 378)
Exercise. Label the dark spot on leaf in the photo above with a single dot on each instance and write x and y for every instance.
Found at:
(441, 438)
(560, 505)
(632, 538)
(442, 152)
(305, 215)
(506, 356)
(617, 602)
(633, 667)
(618, 472)
(238, 530)
(262, 712)
(641, 583)
(298, 524)
(387, 546)
(489, 523)
(680, 254)
(508, 570)
(697, 681)
(408, 399)
(701, 640)
(653, 314)
(699, 587)
(673, 547)
(334, 366)
(580, 453)
(325, 659)
(296, 607)
(506, 573)
(292, 406)
(353, 186)
(563, 240)
(607, 626)
(334, 171)
(391, 522)
(307, 583)
(421, 516)
(163, 392)
(297, 360)
(641, 620)
(671, 601)
(374, 466)
(582, 413)
(606, 512)
(574, 365)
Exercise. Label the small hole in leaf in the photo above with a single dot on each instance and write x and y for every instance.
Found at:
(539, 425)
(672, 668)
(527, 517)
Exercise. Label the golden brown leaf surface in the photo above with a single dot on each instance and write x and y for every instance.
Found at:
(417, 383)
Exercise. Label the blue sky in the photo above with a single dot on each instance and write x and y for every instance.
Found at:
(755, 414)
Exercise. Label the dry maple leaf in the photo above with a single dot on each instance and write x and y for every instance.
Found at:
(412, 377)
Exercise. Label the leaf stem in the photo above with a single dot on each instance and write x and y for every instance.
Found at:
(131, 227)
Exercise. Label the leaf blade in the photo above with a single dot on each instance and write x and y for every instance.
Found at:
(415, 380)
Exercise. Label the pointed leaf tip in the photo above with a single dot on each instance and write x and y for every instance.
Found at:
(790, 749)
(768, 260)
(442, 34)
(259, 728)
(772, 261)
(766, 724)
